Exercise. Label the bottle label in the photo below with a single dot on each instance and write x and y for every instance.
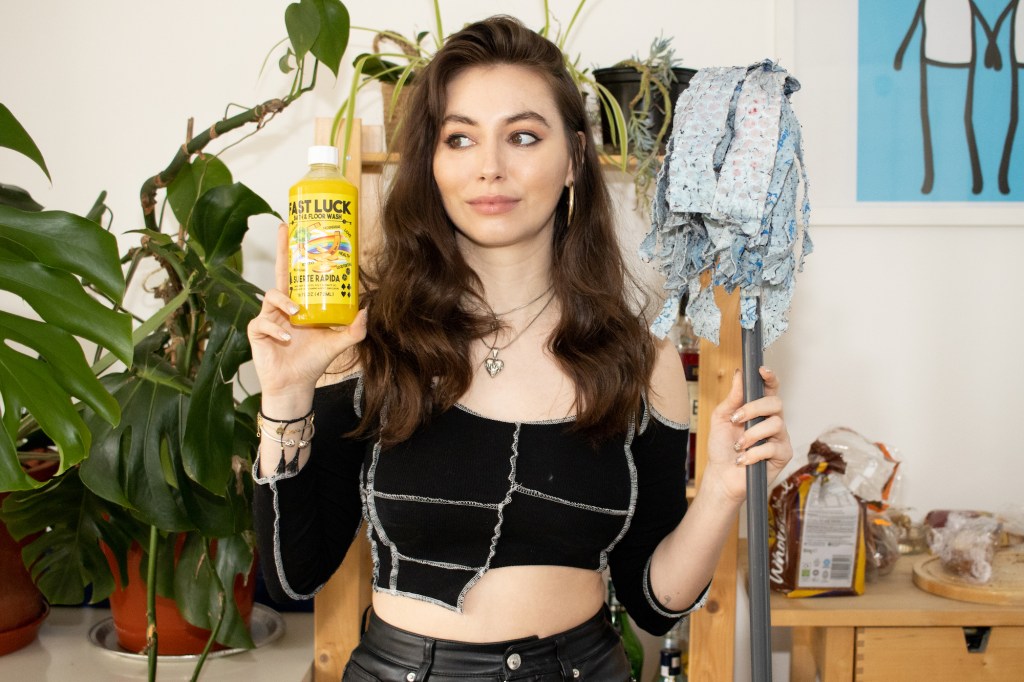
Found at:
(670, 664)
(828, 544)
(321, 245)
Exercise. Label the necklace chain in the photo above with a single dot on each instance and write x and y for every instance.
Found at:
(525, 305)
(492, 363)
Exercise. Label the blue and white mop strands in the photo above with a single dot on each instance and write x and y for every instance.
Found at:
(726, 199)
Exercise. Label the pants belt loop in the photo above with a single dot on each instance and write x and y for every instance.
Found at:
(364, 621)
(428, 660)
(568, 672)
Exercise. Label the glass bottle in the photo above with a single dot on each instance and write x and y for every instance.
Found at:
(630, 640)
(688, 344)
(323, 270)
(674, 656)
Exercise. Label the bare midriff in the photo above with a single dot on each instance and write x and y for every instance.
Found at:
(506, 603)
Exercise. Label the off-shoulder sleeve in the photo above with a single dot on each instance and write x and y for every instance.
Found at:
(659, 454)
(306, 520)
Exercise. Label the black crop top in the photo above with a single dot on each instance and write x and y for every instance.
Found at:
(467, 493)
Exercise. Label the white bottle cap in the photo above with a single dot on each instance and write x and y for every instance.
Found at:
(323, 153)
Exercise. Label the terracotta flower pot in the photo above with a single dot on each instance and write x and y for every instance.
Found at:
(22, 606)
(177, 637)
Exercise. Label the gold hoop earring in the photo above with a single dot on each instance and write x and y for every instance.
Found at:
(572, 202)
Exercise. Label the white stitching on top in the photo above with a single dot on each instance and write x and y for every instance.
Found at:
(646, 418)
(627, 448)
(569, 503)
(501, 518)
(699, 603)
(419, 597)
(679, 426)
(272, 478)
(374, 520)
(357, 396)
(434, 500)
(559, 420)
(278, 561)
(436, 564)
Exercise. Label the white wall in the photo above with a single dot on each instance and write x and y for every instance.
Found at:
(905, 333)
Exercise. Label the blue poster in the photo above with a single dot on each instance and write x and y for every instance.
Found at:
(938, 99)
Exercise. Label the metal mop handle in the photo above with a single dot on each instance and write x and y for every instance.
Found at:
(757, 520)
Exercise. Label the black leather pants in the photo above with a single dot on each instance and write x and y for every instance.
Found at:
(591, 651)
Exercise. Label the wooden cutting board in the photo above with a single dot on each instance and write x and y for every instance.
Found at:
(1006, 587)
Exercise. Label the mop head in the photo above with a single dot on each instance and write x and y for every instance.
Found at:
(726, 198)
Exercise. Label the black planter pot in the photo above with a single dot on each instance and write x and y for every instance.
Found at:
(623, 82)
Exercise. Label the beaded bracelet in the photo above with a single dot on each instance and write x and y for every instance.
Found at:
(285, 465)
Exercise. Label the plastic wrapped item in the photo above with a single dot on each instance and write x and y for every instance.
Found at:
(816, 532)
(882, 541)
(1012, 519)
(871, 468)
(910, 533)
(965, 542)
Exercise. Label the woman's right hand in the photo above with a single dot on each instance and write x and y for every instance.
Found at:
(289, 359)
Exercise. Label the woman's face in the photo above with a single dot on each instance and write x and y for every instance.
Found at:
(502, 158)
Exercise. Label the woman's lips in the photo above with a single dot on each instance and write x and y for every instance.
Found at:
(493, 205)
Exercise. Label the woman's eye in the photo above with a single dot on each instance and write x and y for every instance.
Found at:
(457, 141)
(523, 138)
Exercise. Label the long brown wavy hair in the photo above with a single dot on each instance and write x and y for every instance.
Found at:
(416, 353)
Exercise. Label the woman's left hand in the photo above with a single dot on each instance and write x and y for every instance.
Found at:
(732, 447)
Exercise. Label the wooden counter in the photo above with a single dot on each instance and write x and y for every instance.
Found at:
(896, 631)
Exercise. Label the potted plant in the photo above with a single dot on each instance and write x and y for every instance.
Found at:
(396, 70)
(155, 451)
(67, 268)
(646, 89)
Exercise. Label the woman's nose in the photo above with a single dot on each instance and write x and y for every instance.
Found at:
(492, 161)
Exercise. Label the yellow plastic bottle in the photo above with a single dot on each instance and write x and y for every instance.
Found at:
(323, 233)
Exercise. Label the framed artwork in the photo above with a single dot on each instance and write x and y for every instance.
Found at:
(938, 99)
(910, 109)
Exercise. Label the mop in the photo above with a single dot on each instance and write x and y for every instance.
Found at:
(726, 204)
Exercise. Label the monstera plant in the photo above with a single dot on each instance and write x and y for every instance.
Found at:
(153, 442)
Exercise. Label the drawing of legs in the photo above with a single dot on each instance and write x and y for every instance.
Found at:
(947, 41)
(1016, 50)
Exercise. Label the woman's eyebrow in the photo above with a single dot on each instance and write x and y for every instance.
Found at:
(528, 116)
(514, 118)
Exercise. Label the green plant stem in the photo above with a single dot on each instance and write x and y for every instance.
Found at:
(297, 81)
(133, 267)
(568, 30)
(257, 115)
(151, 634)
(222, 601)
(190, 344)
(439, 37)
(145, 329)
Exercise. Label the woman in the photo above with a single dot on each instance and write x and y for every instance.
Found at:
(508, 427)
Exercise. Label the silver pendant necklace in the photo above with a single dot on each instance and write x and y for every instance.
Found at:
(492, 363)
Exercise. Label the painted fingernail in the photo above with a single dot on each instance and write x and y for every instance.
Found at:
(286, 336)
(741, 460)
(292, 309)
(737, 446)
(735, 418)
(767, 370)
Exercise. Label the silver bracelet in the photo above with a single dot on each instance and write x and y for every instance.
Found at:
(291, 442)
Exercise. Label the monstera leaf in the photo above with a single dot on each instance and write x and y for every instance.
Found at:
(205, 571)
(53, 261)
(72, 522)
